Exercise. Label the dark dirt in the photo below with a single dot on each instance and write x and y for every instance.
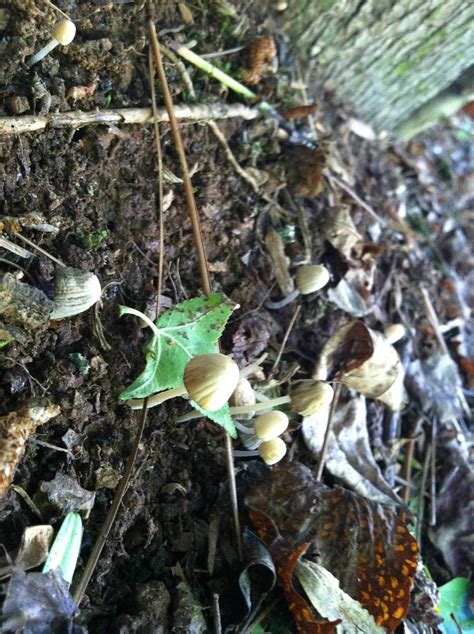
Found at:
(101, 181)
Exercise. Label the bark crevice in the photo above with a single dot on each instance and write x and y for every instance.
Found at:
(385, 59)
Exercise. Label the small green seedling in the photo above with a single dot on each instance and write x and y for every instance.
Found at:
(91, 240)
(454, 601)
(5, 338)
(65, 549)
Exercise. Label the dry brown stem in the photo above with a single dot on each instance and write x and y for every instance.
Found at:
(132, 116)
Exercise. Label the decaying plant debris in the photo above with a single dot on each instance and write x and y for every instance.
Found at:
(387, 223)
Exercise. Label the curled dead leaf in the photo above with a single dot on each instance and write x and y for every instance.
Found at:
(341, 232)
(281, 262)
(349, 454)
(365, 545)
(33, 551)
(365, 361)
(331, 602)
(15, 429)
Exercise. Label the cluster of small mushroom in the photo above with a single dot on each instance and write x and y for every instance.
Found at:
(306, 398)
(262, 433)
(211, 380)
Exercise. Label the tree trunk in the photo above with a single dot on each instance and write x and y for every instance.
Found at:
(385, 58)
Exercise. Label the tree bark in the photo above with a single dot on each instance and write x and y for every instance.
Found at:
(385, 58)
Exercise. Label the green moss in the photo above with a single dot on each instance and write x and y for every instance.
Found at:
(90, 240)
(326, 4)
(402, 68)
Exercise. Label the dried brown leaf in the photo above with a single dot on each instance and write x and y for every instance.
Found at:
(341, 232)
(365, 545)
(379, 375)
(349, 455)
(281, 262)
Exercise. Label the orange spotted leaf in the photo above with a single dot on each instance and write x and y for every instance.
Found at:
(285, 557)
(365, 545)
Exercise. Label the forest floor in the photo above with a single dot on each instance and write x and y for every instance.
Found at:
(390, 222)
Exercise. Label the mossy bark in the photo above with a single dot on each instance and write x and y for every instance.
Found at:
(385, 58)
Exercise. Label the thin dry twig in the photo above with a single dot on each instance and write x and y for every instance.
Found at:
(241, 171)
(421, 495)
(216, 614)
(131, 116)
(357, 199)
(99, 544)
(213, 536)
(296, 312)
(198, 240)
(53, 6)
(188, 189)
(433, 474)
(433, 319)
(324, 448)
(229, 51)
(186, 79)
(14, 248)
(407, 469)
(230, 156)
(39, 249)
(159, 158)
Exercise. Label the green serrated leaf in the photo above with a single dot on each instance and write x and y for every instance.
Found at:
(190, 328)
(221, 416)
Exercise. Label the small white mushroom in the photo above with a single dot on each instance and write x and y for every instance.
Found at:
(244, 394)
(309, 278)
(63, 33)
(270, 425)
(75, 291)
(308, 397)
(272, 451)
(394, 332)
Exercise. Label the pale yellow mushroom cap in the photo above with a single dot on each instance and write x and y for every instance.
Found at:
(64, 32)
(210, 379)
(311, 278)
(270, 425)
(243, 395)
(308, 397)
(394, 332)
(272, 451)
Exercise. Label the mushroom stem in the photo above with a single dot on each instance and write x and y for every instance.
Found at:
(257, 407)
(157, 399)
(241, 409)
(245, 429)
(283, 302)
(42, 53)
(242, 453)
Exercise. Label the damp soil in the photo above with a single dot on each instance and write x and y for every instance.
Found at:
(96, 190)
